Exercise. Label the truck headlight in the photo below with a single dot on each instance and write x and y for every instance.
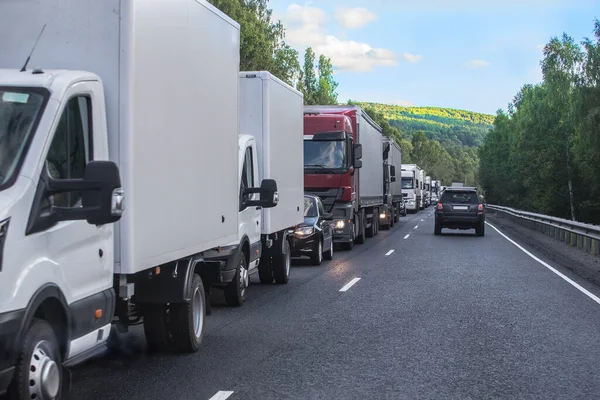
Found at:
(3, 233)
(339, 224)
(382, 215)
(304, 231)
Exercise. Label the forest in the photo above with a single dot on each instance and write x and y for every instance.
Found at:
(442, 141)
(543, 153)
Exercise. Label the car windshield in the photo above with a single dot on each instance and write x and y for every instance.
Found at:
(325, 154)
(408, 183)
(310, 207)
(19, 110)
(456, 197)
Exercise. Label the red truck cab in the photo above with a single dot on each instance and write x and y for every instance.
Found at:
(331, 157)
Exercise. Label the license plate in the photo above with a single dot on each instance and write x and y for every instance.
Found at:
(464, 208)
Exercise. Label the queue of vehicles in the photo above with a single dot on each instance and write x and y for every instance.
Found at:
(118, 207)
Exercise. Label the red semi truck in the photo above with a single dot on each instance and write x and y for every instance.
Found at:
(343, 166)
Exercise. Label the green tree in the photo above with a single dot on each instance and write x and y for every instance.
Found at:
(316, 81)
(326, 93)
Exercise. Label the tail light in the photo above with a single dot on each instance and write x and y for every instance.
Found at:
(440, 206)
(480, 208)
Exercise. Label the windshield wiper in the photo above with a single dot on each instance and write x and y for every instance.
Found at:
(322, 167)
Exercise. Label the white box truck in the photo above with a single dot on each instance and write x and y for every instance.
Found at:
(427, 190)
(112, 113)
(270, 147)
(392, 209)
(412, 185)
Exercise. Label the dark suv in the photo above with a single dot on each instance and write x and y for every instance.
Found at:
(460, 208)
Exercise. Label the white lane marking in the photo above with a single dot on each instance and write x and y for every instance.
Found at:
(416, 226)
(221, 395)
(406, 237)
(422, 220)
(389, 252)
(349, 284)
(576, 285)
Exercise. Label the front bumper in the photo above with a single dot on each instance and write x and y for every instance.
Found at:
(10, 324)
(411, 205)
(342, 231)
(302, 245)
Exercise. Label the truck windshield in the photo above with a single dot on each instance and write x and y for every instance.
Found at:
(325, 154)
(19, 111)
(408, 183)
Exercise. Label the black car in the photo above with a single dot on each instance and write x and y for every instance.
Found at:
(314, 237)
(460, 208)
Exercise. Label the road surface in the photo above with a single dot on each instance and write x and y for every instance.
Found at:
(406, 315)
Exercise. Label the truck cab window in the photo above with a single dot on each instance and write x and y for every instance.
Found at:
(71, 148)
(248, 171)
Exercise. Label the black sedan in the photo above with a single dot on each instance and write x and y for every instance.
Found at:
(314, 237)
(460, 208)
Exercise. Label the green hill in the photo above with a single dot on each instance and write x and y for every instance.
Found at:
(442, 124)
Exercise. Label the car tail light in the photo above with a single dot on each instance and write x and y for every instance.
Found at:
(440, 206)
(480, 208)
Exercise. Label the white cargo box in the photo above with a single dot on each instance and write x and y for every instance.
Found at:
(272, 112)
(170, 75)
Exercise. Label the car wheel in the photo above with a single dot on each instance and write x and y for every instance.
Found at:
(438, 229)
(480, 230)
(329, 253)
(316, 257)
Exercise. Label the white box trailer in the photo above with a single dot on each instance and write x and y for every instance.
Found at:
(270, 149)
(412, 185)
(391, 211)
(152, 86)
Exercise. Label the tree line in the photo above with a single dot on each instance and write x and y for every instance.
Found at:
(543, 153)
(263, 47)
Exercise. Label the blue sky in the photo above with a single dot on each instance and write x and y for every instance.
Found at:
(466, 54)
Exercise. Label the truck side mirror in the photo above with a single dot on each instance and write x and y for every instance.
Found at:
(269, 197)
(101, 195)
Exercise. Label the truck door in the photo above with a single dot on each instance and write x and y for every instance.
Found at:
(84, 252)
(250, 217)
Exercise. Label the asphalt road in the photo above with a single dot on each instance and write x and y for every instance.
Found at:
(455, 316)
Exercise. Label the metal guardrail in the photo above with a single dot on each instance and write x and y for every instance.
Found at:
(576, 234)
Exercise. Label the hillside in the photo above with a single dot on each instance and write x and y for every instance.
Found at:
(441, 124)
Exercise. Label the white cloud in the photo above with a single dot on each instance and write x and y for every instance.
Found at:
(412, 58)
(305, 27)
(540, 47)
(473, 64)
(354, 18)
(403, 103)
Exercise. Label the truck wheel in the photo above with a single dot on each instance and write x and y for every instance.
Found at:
(156, 327)
(349, 245)
(360, 239)
(316, 258)
(187, 319)
(282, 263)
(328, 255)
(265, 270)
(38, 373)
(235, 292)
(396, 215)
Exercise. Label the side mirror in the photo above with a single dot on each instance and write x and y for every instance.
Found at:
(357, 155)
(328, 217)
(269, 197)
(101, 195)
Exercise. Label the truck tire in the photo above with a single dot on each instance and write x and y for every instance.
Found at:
(235, 292)
(38, 373)
(360, 239)
(187, 319)
(316, 258)
(282, 265)
(265, 270)
(156, 327)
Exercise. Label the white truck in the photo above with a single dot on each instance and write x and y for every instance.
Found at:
(270, 147)
(119, 110)
(427, 190)
(392, 163)
(412, 187)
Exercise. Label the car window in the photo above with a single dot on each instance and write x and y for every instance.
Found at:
(457, 197)
(310, 209)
